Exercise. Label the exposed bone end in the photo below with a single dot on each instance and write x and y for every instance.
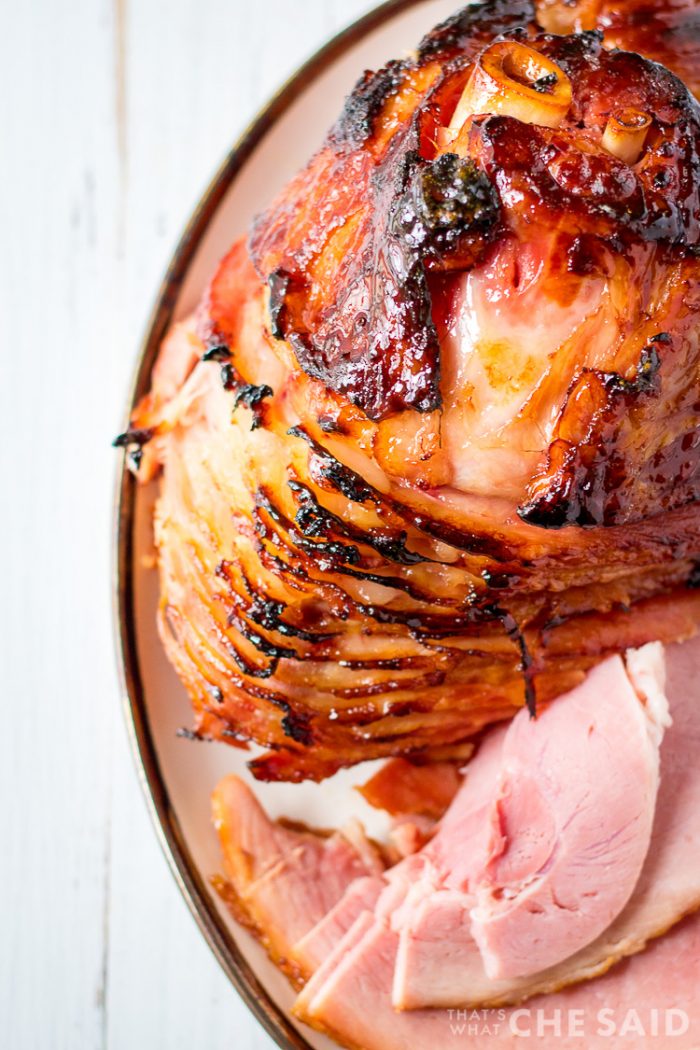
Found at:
(516, 81)
(625, 134)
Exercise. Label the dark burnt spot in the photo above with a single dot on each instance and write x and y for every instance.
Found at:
(261, 643)
(245, 666)
(251, 395)
(215, 693)
(217, 352)
(314, 519)
(544, 84)
(330, 426)
(476, 25)
(192, 734)
(364, 103)
(645, 379)
(499, 581)
(133, 441)
(297, 728)
(230, 379)
(693, 580)
(448, 212)
(340, 477)
(133, 436)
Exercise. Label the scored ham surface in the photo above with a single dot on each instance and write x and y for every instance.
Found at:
(441, 454)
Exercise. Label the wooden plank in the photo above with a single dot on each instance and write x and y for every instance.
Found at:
(59, 395)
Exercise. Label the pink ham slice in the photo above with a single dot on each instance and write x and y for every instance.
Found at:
(320, 941)
(284, 880)
(548, 864)
(349, 998)
(572, 819)
(448, 964)
(358, 954)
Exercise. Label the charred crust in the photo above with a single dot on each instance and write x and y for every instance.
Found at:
(246, 668)
(449, 209)
(136, 436)
(315, 520)
(499, 581)
(339, 477)
(330, 426)
(645, 380)
(133, 441)
(474, 24)
(251, 395)
(230, 378)
(364, 103)
(257, 640)
(588, 481)
(545, 83)
(339, 557)
(297, 727)
(217, 352)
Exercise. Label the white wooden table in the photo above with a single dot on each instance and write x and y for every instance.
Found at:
(113, 115)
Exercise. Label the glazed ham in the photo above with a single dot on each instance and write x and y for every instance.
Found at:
(667, 32)
(429, 446)
(429, 465)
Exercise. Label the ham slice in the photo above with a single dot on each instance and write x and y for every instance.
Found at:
(549, 864)
(359, 940)
(320, 942)
(400, 788)
(284, 880)
(444, 966)
(572, 820)
(650, 1000)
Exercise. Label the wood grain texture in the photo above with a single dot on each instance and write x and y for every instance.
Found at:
(113, 116)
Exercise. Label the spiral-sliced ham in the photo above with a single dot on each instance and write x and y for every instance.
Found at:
(430, 446)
